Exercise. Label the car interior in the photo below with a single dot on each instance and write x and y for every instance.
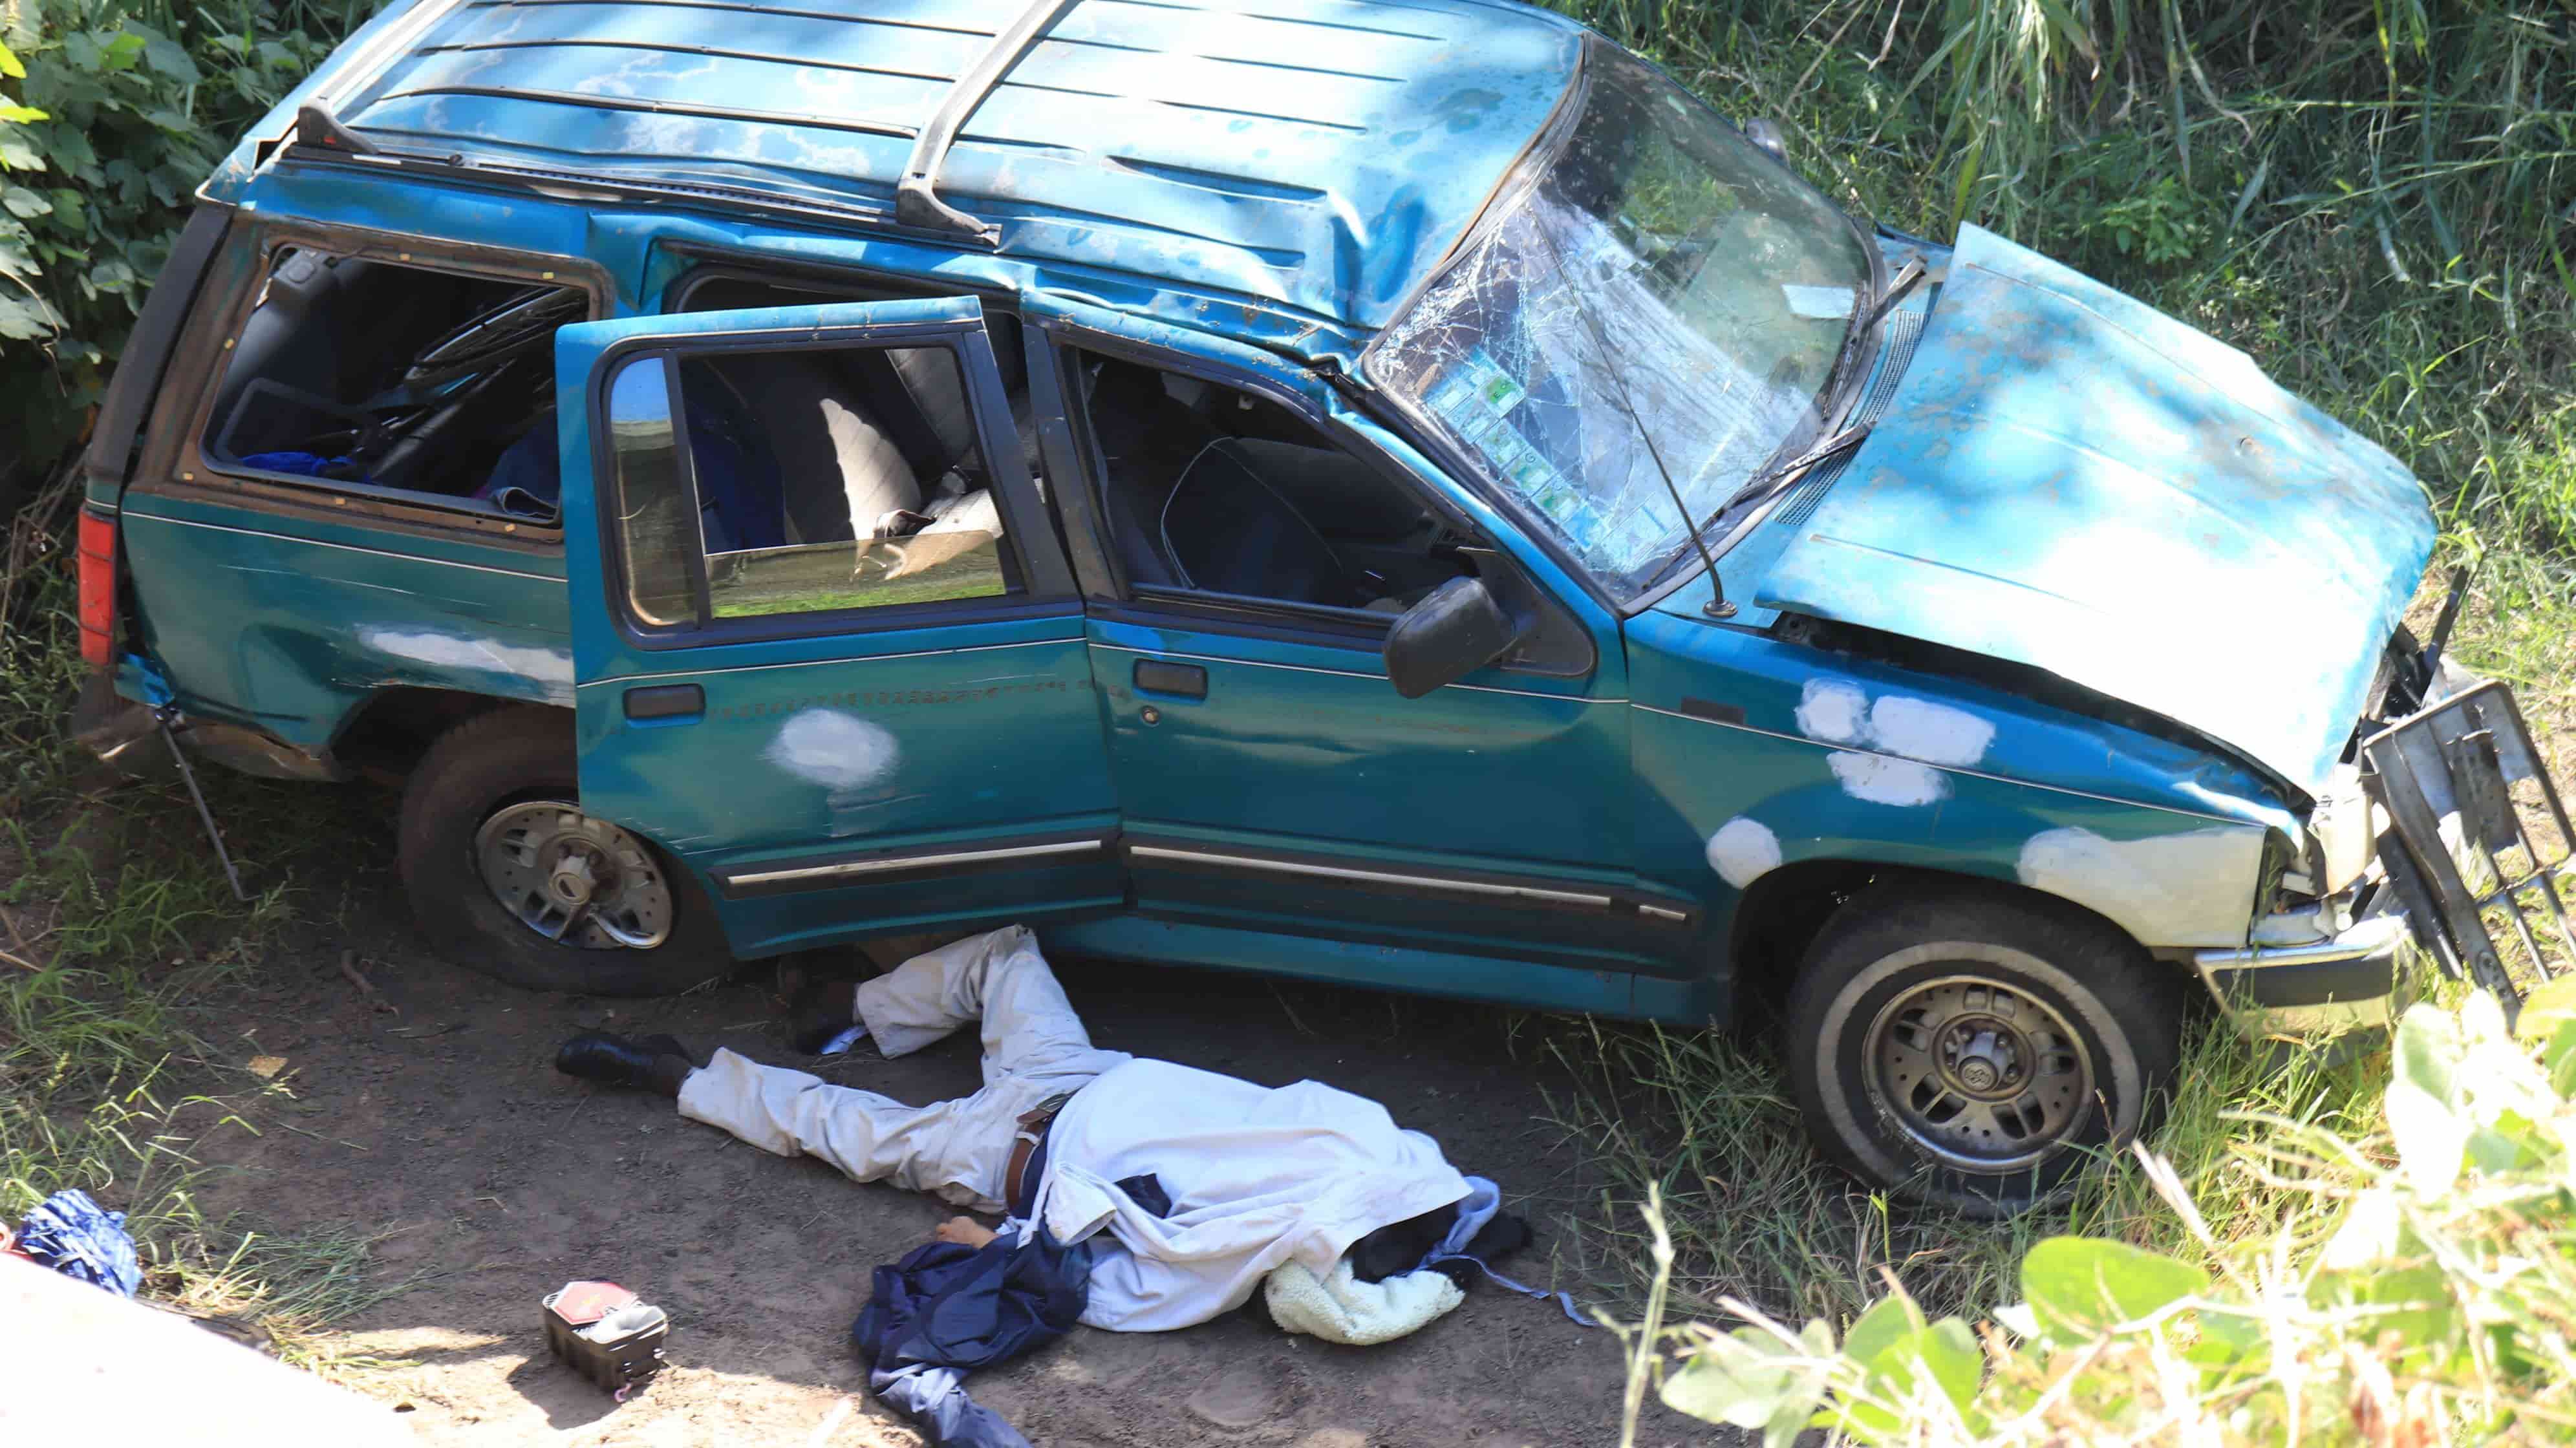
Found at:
(1213, 490)
(355, 370)
(839, 477)
(361, 371)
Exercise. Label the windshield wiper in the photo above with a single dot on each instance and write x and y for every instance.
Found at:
(1865, 320)
(1781, 469)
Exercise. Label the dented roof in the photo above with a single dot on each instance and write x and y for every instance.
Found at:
(1322, 154)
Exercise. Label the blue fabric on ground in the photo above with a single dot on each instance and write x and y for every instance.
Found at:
(934, 1400)
(1478, 1207)
(78, 1238)
(950, 1307)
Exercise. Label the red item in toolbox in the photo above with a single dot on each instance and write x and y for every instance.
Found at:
(583, 1303)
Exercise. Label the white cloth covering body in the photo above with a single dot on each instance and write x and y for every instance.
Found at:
(1257, 1176)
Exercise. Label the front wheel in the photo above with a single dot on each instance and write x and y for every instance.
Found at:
(507, 875)
(1967, 1047)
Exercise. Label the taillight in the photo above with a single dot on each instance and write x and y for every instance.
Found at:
(97, 589)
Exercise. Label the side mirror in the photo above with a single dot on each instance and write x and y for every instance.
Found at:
(1455, 630)
(1766, 138)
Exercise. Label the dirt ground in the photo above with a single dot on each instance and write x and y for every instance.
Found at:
(436, 1117)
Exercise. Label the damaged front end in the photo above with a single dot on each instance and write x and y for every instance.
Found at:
(2442, 828)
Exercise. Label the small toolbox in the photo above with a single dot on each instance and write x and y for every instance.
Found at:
(607, 1334)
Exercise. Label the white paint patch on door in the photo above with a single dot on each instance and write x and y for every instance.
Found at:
(835, 750)
(1884, 779)
(1743, 851)
(549, 669)
(2192, 888)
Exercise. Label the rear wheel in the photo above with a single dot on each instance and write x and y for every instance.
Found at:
(509, 877)
(1967, 1047)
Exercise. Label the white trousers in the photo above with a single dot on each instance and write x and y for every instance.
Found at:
(1034, 1048)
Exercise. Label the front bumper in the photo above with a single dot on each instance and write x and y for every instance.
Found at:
(2342, 981)
(2466, 842)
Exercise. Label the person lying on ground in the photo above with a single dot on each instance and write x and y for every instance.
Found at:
(1192, 1186)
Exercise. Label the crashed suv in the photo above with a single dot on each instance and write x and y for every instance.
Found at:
(1250, 489)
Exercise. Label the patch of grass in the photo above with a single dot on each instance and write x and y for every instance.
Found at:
(115, 922)
(1701, 1119)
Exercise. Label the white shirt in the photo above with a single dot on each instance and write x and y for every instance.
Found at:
(1257, 1177)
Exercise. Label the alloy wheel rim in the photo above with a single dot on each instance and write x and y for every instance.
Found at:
(571, 879)
(1978, 1074)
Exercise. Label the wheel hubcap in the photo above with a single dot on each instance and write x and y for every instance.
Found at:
(572, 879)
(1982, 1076)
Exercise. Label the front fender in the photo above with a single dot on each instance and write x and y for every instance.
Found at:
(1737, 803)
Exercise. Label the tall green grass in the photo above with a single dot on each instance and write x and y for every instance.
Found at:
(116, 930)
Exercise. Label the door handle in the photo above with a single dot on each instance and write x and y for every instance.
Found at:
(673, 702)
(1180, 681)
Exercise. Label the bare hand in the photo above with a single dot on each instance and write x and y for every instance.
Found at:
(964, 1231)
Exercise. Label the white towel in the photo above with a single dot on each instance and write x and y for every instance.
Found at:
(1342, 1308)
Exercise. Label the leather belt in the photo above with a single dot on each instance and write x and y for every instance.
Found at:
(1033, 1129)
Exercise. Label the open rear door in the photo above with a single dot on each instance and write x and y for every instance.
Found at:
(827, 649)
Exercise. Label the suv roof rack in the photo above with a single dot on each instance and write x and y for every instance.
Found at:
(916, 198)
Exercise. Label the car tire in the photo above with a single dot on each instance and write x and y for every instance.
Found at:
(504, 764)
(1974, 1048)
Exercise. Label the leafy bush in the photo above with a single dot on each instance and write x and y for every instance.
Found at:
(111, 113)
(2425, 1290)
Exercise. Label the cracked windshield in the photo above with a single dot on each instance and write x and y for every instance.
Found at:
(1665, 300)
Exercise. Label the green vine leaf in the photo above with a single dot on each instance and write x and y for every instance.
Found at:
(2080, 1287)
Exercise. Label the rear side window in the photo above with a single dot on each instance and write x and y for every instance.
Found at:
(374, 376)
(756, 483)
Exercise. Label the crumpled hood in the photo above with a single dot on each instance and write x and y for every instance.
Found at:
(2070, 479)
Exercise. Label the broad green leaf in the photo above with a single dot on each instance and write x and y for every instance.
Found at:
(171, 59)
(1950, 1351)
(70, 210)
(1889, 1322)
(2428, 1051)
(16, 154)
(1943, 1355)
(2558, 1058)
(2431, 1136)
(2373, 1231)
(22, 202)
(10, 66)
(24, 318)
(2550, 1006)
(124, 52)
(2424, 1098)
(2510, 1142)
(1746, 1378)
(2230, 1338)
(81, 51)
(12, 111)
(2429, 1320)
(2079, 1286)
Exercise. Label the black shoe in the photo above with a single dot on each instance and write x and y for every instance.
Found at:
(818, 1012)
(657, 1063)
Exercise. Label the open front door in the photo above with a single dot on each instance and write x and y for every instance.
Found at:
(827, 650)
